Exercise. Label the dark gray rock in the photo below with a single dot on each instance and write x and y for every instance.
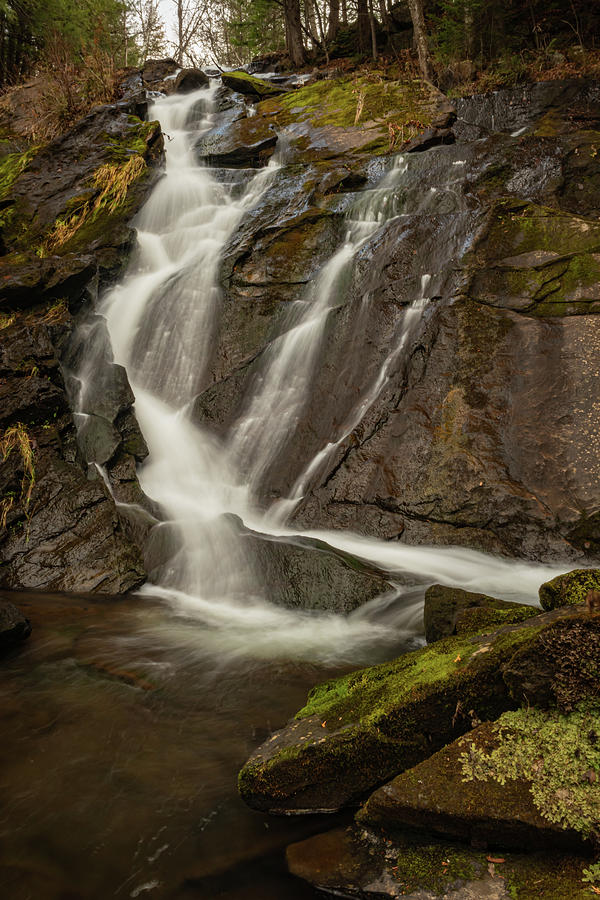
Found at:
(451, 610)
(304, 573)
(14, 627)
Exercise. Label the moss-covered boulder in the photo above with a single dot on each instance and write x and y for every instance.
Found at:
(543, 261)
(561, 667)
(358, 730)
(570, 589)
(449, 610)
(364, 113)
(355, 862)
(528, 780)
(250, 85)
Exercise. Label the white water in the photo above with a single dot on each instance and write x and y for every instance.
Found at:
(162, 319)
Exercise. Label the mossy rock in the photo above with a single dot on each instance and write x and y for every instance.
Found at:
(570, 589)
(451, 611)
(357, 731)
(358, 862)
(350, 115)
(527, 780)
(561, 667)
(538, 260)
(249, 85)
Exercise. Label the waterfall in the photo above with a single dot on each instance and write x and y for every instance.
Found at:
(162, 319)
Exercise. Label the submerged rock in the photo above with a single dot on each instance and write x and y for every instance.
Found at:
(354, 862)
(14, 627)
(570, 589)
(358, 730)
(450, 611)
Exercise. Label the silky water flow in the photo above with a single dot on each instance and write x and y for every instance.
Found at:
(162, 319)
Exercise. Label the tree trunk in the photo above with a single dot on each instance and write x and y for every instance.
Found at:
(293, 32)
(373, 31)
(364, 26)
(469, 20)
(333, 26)
(344, 13)
(385, 16)
(418, 20)
(311, 22)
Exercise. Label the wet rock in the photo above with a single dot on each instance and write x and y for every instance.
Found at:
(561, 666)
(14, 627)
(304, 573)
(354, 862)
(189, 80)
(450, 611)
(257, 88)
(570, 589)
(245, 143)
(359, 730)
(485, 790)
(59, 530)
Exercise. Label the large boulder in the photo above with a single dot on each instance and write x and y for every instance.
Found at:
(358, 730)
(242, 143)
(528, 780)
(14, 627)
(250, 85)
(449, 610)
(59, 528)
(570, 589)
(304, 573)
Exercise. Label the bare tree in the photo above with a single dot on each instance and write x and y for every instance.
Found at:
(146, 27)
(190, 16)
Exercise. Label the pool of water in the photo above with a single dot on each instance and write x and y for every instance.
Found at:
(123, 729)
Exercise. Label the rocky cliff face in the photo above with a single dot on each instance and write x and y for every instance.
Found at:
(65, 231)
(482, 432)
(456, 383)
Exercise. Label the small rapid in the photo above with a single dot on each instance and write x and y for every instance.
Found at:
(162, 319)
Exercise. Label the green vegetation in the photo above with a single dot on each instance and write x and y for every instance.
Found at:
(570, 589)
(365, 98)
(558, 755)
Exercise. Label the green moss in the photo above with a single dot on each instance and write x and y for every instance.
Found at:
(248, 84)
(491, 618)
(544, 875)
(134, 142)
(11, 166)
(558, 755)
(570, 589)
(522, 228)
(363, 99)
(437, 867)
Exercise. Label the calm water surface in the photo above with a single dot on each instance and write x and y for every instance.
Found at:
(123, 730)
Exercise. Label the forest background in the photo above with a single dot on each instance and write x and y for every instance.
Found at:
(82, 47)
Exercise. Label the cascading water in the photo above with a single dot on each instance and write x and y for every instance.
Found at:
(162, 319)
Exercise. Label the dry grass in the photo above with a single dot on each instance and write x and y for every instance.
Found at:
(6, 320)
(6, 504)
(112, 182)
(16, 438)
